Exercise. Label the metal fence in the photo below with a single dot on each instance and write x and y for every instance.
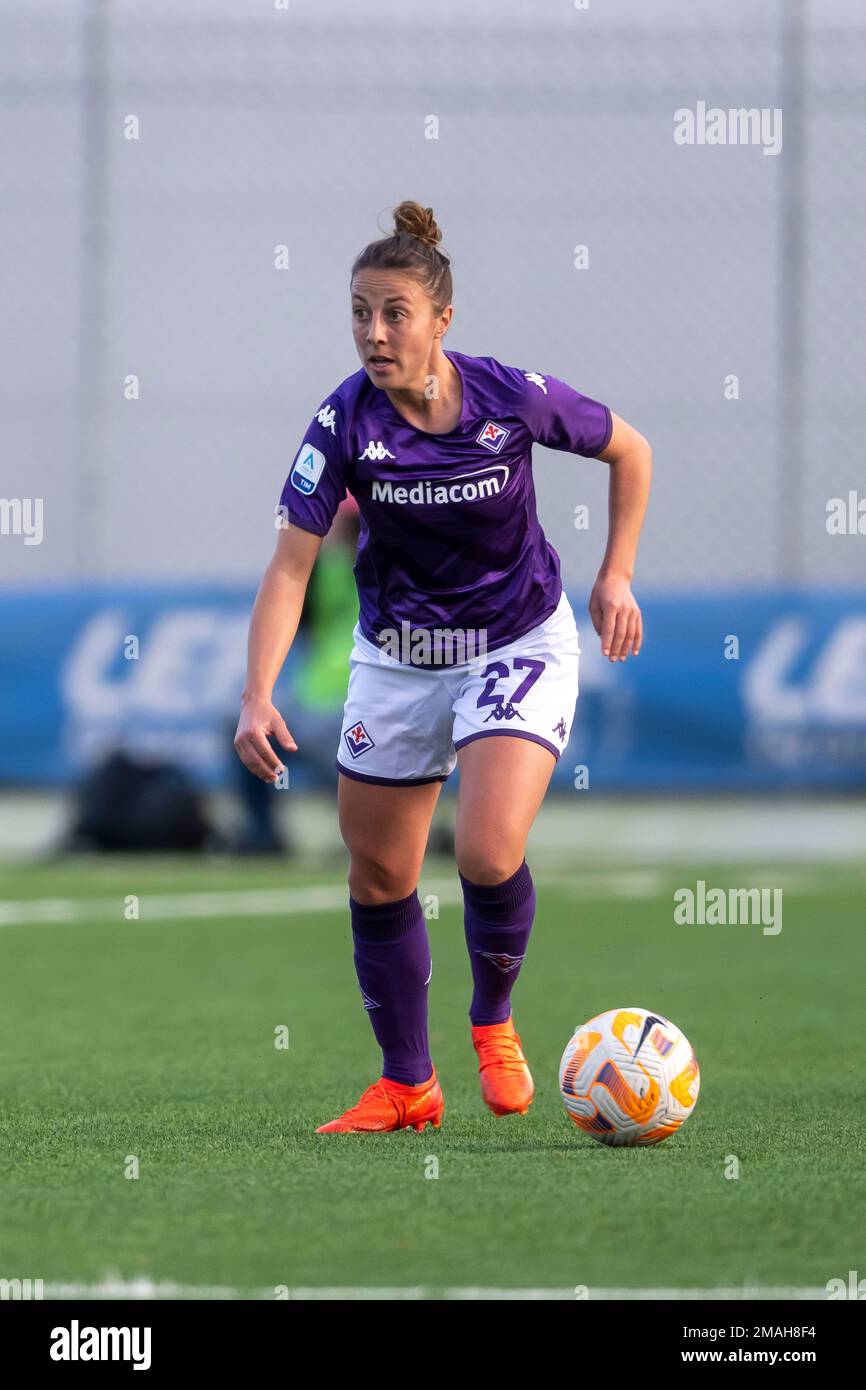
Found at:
(153, 258)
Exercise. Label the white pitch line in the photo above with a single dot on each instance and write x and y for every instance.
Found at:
(250, 902)
(146, 1290)
(275, 902)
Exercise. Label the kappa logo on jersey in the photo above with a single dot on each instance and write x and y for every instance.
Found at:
(358, 740)
(326, 418)
(308, 469)
(502, 960)
(376, 450)
(537, 380)
(493, 436)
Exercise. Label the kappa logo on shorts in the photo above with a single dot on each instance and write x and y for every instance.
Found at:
(358, 740)
(493, 436)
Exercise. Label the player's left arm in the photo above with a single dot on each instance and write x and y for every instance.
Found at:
(613, 608)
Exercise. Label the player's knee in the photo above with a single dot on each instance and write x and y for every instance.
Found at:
(374, 880)
(488, 863)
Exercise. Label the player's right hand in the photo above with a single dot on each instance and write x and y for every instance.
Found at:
(258, 719)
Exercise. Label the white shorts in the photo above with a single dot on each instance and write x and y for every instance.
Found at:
(403, 724)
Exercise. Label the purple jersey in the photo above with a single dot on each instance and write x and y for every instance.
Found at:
(449, 532)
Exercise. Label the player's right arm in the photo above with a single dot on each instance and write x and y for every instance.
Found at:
(274, 622)
(312, 492)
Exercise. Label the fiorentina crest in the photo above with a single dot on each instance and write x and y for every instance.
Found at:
(358, 740)
(493, 436)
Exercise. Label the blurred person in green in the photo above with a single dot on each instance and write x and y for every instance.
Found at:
(318, 691)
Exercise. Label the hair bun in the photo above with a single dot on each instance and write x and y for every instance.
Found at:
(417, 221)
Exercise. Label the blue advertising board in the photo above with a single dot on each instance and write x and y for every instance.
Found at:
(732, 691)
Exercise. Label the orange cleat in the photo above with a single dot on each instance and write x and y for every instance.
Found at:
(389, 1105)
(506, 1081)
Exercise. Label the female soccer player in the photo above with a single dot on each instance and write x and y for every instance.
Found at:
(465, 651)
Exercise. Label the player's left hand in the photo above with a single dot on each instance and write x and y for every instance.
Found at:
(616, 616)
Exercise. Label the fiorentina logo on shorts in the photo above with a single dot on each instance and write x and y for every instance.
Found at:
(358, 739)
(493, 436)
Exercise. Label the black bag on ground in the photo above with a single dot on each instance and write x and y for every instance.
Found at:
(124, 804)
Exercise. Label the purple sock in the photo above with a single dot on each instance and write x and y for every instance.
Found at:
(392, 959)
(498, 920)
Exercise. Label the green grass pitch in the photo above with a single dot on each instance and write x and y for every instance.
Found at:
(155, 1038)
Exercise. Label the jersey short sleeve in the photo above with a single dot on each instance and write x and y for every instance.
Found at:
(561, 418)
(317, 480)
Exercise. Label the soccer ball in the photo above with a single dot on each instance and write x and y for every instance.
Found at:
(629, 1077)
